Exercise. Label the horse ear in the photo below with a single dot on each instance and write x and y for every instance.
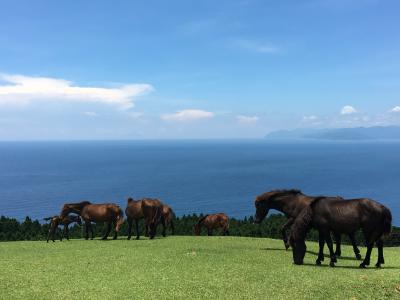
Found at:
(301, 224)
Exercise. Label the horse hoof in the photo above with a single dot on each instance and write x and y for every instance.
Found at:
(378, 265)
(128, 238)
(362, 266)
(358, 256)
(332, 264)
(338, 254)
(334, 260)
(137, 238)
(318, 262)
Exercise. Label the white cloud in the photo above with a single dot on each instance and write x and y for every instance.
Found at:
(188, 115)
(395, 109)
(348, 110)
(247, 119)
(311, 118)
(23, 90)
(256, 46)
(91, 114)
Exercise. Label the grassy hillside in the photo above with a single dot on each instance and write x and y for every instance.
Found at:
(181, 267)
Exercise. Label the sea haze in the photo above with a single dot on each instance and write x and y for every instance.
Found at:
(36, 178)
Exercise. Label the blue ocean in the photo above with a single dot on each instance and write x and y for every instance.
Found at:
(36, 178)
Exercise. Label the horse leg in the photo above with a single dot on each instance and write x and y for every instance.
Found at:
(367, 258)
(130, 223)
(381, 259)
(87, 225)
(164, 231)
(49, 234)
(66, 232)
(62, 234)
(91, 229)
(137, 229)
(226, 231)
(146, 225)
(115, 230)
(338, 239)
(321, 241)
(284, 232)
(354, 244)
(330, 246)
(172, 228)
(108, 231)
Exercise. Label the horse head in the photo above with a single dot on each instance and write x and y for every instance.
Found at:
(268, 200)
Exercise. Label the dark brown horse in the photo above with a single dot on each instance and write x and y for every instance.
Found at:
(148, 209)
(108, 213)
(211, 222)
(168, 219)
(291, 203)
(55, 221)
(338, 216)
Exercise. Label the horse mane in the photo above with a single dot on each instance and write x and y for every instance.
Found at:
(202, 219)
(284, 192)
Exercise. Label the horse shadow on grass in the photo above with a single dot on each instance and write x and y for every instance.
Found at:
(309, 252)
(336, 266)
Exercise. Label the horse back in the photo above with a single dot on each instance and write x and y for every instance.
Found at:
(347, 216)
(134, 209)
(150, 207)
(100, 212)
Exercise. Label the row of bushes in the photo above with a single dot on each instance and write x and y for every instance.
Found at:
(12, 230)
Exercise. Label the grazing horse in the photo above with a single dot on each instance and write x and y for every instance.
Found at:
(148, 209)
(55, 221)
(338, 216)
(211, 222)
(109, 213)
(291, 203)
(168, 216)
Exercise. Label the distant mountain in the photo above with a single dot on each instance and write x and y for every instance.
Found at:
(358, 133)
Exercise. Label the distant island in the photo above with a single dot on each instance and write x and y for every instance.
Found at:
(346, 134)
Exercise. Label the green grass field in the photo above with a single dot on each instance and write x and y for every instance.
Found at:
(187, 267)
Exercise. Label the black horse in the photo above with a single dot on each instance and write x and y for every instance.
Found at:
(55, 221)
(331, 215)
(291, 203)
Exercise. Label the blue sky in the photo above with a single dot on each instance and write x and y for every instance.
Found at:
(195, 69)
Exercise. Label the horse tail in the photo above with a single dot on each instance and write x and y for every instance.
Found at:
(386, 221)
(157, 215)
(120, 218)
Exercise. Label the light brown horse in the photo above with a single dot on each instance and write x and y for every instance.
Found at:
(148, 209)
(168, 216)
(55, 221)
(109, 213)
(211, 222)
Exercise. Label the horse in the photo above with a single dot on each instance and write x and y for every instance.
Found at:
(148, 209)
(55, 221)
(168, 216)
(291, 203)
(211, 222)
(332, 215)
(109, 213)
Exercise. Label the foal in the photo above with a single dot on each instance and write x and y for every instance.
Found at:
(55, 221)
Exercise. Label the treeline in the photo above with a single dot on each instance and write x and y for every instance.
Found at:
(12, 230)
